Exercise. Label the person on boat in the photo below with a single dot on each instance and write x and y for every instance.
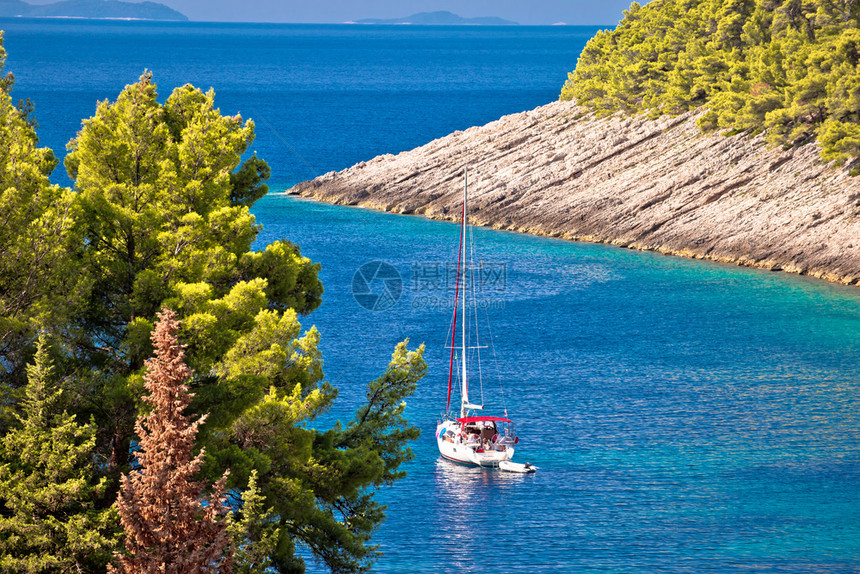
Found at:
(487, 432)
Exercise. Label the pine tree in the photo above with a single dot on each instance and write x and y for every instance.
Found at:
(255, 533)
(49, 521)
(167, 528)
(160, 218)
(37, 281)
(790, 67)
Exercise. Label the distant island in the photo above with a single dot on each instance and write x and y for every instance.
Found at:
(93, 9)
(441, 18)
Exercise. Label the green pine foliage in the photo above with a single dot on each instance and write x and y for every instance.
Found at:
(164, 200)
(164, 224)
(254, 532)
(50, 520)
(37, 282)
(160, 217)
(786, 66)
(320, 483)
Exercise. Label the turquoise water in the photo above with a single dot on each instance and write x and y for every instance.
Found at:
(686, 416)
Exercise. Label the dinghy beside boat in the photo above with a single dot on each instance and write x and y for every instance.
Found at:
(511, 466)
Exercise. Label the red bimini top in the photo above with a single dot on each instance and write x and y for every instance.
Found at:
(480, 419)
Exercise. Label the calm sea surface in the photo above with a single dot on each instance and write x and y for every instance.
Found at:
(686, 416)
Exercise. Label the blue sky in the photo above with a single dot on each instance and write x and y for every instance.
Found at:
(524, 12)
(538, 12)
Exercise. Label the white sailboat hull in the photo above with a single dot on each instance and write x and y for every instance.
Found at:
(455, 448)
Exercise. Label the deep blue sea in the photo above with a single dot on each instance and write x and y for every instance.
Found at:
(686, 416)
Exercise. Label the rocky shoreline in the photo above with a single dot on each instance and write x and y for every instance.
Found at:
(658, 185)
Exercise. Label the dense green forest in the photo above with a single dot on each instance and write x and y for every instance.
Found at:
(158, 219)
(785, 66)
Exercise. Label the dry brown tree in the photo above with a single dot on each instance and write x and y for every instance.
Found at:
(168, 527)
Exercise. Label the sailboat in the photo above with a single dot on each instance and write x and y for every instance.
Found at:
(470, 437)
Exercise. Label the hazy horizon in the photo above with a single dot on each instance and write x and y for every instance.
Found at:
(535, 12)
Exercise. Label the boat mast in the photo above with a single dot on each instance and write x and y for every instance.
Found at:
(464, 396)
(460, 251)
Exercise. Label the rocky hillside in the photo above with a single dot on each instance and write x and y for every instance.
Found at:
(658, 185)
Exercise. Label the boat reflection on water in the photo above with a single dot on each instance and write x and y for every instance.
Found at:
(468, 480)
(468, 500)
